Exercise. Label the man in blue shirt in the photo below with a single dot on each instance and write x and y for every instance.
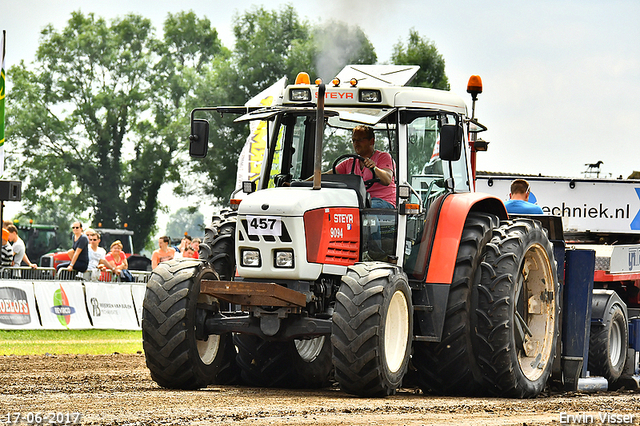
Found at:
(518, 202)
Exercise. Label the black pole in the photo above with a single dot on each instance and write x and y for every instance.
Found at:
(317, 162)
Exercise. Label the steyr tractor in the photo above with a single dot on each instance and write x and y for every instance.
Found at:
(306, 284)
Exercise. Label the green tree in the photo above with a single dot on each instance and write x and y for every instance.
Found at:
(422, 51)
(102, 120)
(185, 219)
(262, 55)
(263, 48)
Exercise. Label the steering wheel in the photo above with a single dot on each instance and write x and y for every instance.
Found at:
(367, 183)
(282, 180)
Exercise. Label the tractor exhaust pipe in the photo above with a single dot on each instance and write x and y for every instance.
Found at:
(317, 161)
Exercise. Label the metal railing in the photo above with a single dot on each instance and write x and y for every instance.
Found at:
(26, 273)
(41, 274)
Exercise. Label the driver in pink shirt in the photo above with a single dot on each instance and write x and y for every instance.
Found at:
(376, 164)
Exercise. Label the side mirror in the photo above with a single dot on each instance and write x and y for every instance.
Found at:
(199, 138)
(450, 142)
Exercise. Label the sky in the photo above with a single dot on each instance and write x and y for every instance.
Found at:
(561, 78)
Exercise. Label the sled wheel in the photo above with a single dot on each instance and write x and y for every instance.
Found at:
(608, 344)
(372, 330)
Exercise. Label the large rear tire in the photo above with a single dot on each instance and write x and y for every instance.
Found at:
(176, 356)
(218, 246)
(372, 330)
(289, 364)
(518, 310)
(450, 367)
(608, 344)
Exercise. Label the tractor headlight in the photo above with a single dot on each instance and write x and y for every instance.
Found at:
(283, 259)
(251, 258)
(300, 95)
(370, 95)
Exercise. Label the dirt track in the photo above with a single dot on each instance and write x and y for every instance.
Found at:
(117, 390)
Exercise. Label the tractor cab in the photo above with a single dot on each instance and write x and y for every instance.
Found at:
(422, 130)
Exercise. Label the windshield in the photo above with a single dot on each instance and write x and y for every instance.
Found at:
(426, 171)
(294, 160)
(427, 174)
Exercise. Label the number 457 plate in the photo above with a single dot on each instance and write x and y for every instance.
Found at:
(265, 225)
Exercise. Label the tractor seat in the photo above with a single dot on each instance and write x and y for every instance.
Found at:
(347, 181)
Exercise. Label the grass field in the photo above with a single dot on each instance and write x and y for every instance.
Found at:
(95, 342)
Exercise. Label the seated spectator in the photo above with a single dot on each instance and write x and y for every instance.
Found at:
(6, 253)
(196, 247)
(184, 243)
(189, 253)
(97, 254)
(79, 253)
(117, 257)
(163, 253)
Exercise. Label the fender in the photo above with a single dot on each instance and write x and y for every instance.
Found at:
(57, 258)
(453, 214)
(601, 302)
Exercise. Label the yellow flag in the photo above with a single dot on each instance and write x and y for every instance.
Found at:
(250, 159)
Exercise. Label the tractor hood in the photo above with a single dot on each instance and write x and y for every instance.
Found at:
(295, 201)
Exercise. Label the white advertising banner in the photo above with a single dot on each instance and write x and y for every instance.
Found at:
(62, 305)
(137, 292)
(18, 306)
(595, 205)
(110, 306)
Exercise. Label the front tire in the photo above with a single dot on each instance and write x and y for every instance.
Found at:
(372, 330)
(176, 356)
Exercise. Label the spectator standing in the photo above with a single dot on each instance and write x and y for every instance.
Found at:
(518, 202)
(163, 253)
(6, 253)
(19, 249)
